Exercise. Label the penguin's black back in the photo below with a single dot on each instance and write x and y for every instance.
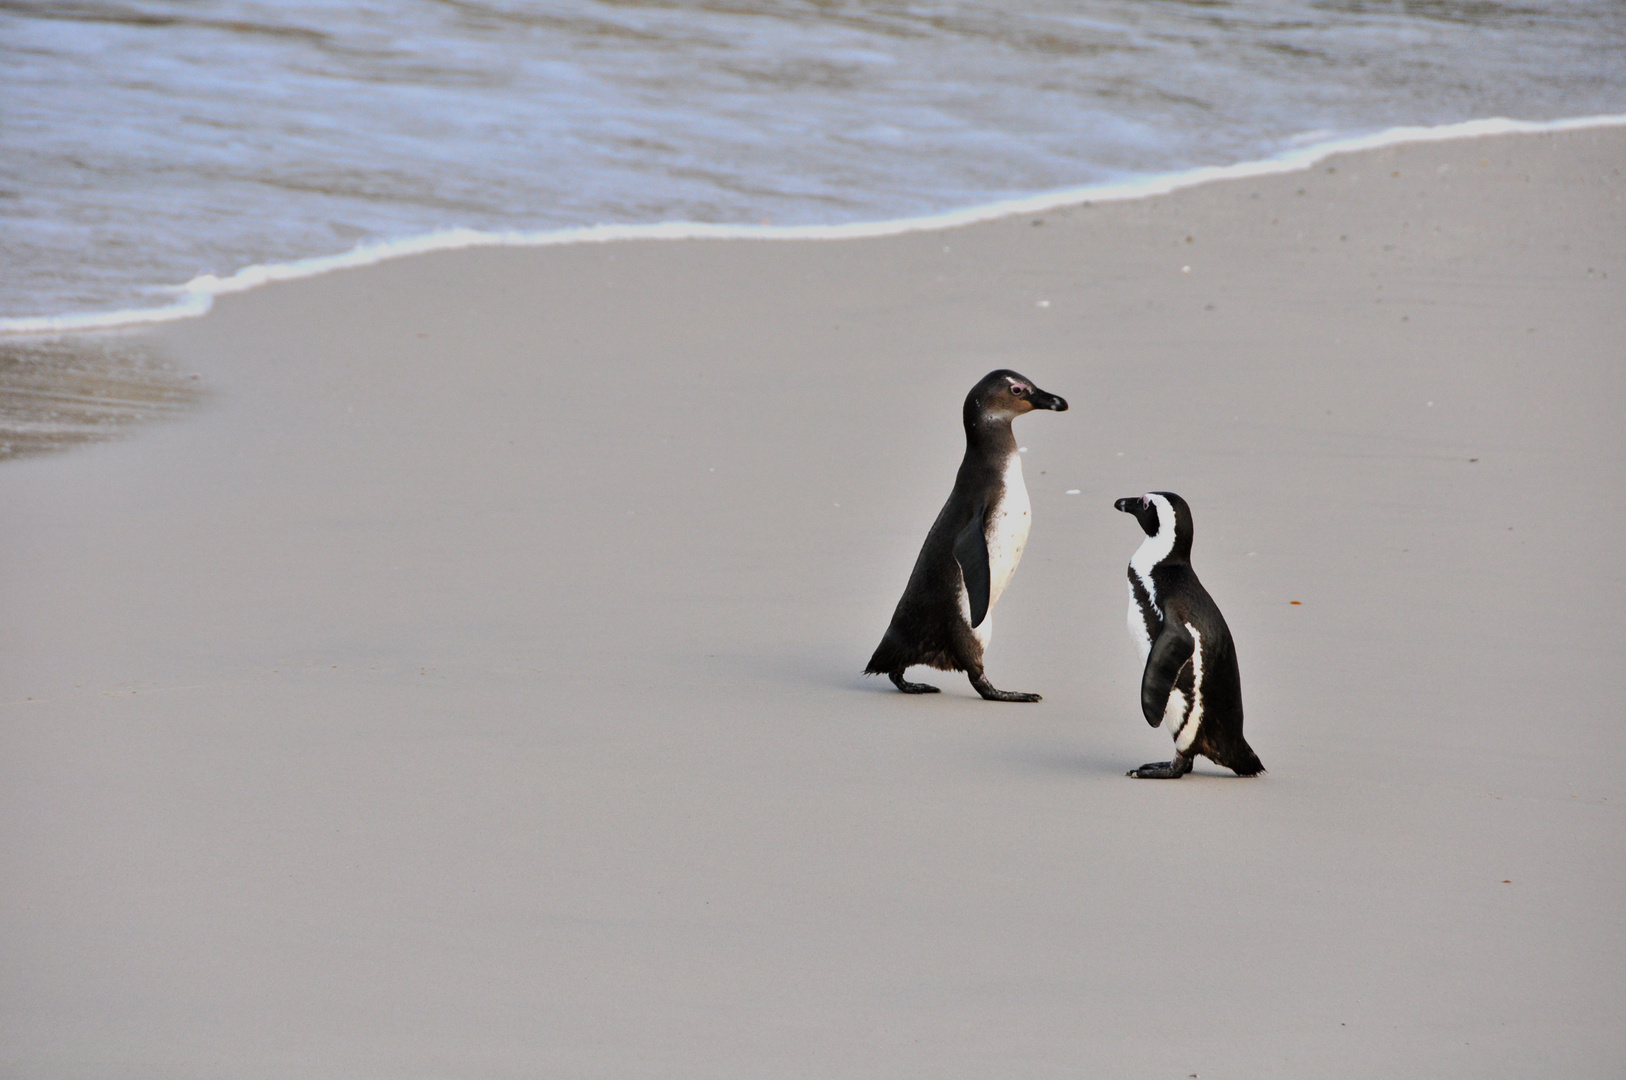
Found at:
(927, 626)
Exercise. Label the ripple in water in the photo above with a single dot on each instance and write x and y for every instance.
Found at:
(146, 142)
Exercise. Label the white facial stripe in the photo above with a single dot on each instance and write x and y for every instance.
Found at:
(1188, 734)
(1154, 549)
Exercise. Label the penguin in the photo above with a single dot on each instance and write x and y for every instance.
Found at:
(1191, 677)
(945, 616)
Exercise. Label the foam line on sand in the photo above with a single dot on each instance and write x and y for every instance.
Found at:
(196, 297)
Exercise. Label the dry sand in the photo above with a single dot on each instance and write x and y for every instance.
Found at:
(470, 689)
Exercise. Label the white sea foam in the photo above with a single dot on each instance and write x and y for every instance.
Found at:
(197, 296)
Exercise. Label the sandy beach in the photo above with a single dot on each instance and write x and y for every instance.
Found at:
(469, 687)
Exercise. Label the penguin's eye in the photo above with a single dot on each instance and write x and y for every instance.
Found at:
(1018, 389)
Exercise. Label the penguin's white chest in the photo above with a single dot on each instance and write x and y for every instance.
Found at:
(1152, 550)
(1007, 530)
(1137, 626)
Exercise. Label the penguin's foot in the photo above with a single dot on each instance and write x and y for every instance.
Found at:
(986, 689)
(1162, 770)
(913, 687)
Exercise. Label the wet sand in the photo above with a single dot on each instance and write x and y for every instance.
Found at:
(471, 687)
(63, 390)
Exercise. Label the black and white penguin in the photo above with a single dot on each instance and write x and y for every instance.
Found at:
(945, 617)
(1191, 677)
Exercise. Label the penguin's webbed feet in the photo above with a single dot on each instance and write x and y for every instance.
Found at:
(986, 689)
(913, 687)
(1162, 770)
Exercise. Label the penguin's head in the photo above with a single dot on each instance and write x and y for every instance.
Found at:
(1162, 514)
(1004, 395)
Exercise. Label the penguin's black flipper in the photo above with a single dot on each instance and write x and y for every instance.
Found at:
(971, 552)
(1170, 652)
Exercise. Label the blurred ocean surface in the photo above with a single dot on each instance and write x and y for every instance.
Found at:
(145, 142)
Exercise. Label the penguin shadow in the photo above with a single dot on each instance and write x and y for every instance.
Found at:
(836, 670)
(1069, 759)
(1095, 748)
(830, 670)
(1052, 758)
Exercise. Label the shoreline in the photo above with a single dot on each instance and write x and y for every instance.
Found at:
(198, 295)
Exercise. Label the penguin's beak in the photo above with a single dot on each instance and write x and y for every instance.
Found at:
(1128, 506)
(1042, 400)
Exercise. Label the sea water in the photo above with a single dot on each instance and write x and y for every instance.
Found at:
(148, 143)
